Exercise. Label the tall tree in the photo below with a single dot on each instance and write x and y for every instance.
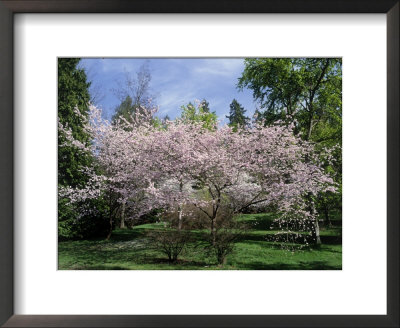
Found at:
(201, 113)
(305, 90)
(308, 93)
(125, 109)
(73, 113)
(237, 117)
(205, 105)
(73, 94)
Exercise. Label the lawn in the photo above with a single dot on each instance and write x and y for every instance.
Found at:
(128, 250)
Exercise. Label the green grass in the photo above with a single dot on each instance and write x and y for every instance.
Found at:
(127, 250)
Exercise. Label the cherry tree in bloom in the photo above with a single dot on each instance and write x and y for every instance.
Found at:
(148, 167)
(285, 172)
(121, 175)
(255, 167)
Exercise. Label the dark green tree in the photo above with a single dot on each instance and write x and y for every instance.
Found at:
(125, 109)
(305, 90)
(237, 117)
(205, 105)
(73, 93)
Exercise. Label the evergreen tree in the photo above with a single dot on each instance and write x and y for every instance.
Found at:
(237, 117)
(125, 109)
(205, 106)
(73, 93)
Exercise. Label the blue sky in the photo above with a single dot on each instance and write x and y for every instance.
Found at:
(175, 82)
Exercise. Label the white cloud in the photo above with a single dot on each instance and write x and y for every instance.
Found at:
(176, 81)
(229, 67)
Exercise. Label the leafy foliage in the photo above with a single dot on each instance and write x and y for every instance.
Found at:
(305, 90)
(237, 117)
(201, 113)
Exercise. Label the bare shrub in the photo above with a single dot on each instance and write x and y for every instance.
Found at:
(223, 244)
(226, 233)
(169, 242)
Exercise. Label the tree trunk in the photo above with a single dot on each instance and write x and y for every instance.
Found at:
(213, 231)
(180, 215)
(122, 223)
(310, 125)
(217, 202)
(327, 217)
(214, 218)
(180, 210)
(287, 232)
(316, 232)
(110, 217)
(315, 225)
(110, 228)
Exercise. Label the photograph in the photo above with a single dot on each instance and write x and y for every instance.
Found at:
(199, 163)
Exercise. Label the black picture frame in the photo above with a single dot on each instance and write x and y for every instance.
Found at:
(7, 10)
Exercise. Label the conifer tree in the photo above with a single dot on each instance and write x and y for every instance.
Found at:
(237, 117)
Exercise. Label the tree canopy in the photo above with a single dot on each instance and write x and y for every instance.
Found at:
(237, 117)
(149, 168)
(305, 90)
(200, 113)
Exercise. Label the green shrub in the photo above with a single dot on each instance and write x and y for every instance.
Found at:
(73, 227)
(83, 228)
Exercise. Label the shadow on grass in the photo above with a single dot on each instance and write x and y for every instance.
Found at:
(259, 222)
(179, 262)
(158, 262)
(127, 234)
(130, 247)
(102, 267)
(325, 240)
(252, 237)
(312, 265)
(273, 239)
(331, 240)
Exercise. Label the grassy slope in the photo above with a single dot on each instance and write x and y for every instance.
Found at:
(127, 250)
